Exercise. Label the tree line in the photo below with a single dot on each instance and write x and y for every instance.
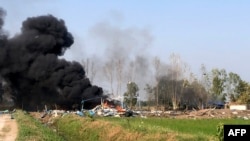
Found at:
(173, 85)
(155, 83)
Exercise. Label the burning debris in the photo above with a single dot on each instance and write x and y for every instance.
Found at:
(108, 107)
(30, 66)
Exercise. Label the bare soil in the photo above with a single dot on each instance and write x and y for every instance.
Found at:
(8, 128)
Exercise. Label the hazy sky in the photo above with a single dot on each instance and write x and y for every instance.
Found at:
(212, 32)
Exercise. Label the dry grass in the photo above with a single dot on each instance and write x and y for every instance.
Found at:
(75, 127)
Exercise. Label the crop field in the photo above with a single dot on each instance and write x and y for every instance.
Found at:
(73, 127)
(184, 129)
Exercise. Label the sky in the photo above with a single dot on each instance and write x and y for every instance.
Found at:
(215, 33)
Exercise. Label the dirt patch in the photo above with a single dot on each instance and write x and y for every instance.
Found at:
(8, 128)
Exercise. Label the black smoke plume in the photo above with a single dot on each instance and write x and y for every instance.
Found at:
(3, 37)
(30, 65)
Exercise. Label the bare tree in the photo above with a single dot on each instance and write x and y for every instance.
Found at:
(178, 71)
(90, 69)
(92, 72)
(109, 73)
(131, 71)
(119, 74)
(204, 86)
(157, 67)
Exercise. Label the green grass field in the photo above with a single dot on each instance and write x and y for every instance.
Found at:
(31, 129)
(73, 128)
(195, 128)
(190, 126)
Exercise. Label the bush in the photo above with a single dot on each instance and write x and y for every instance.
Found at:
(220, 132)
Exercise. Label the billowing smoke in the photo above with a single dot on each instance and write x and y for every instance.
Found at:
(125, 55)
(30, 65)
(3, 37)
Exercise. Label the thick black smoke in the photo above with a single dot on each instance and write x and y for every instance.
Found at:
(29, 64)
(3, 37)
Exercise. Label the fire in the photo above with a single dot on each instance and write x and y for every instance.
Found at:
(111, 104)
(105, 104)
(120, 109)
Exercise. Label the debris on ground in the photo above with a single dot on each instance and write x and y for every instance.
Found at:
(109, 109)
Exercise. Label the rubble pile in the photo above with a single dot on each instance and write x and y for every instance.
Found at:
(100, 111)
(199, 114)
(104, 110)
(112, 108)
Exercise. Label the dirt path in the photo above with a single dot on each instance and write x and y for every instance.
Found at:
(8, 128)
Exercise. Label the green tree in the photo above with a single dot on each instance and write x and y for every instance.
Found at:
(242, 87)
(233, 81)
(218, 82)
(244, 93)
(130, 97)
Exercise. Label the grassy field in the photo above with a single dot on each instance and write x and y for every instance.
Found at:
(73, 128)
(184, 129)
(31, 129)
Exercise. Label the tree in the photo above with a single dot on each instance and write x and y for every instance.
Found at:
(119, 73)
(201, 95)
(195, 94)
(164, 89)
(242, 87)
(150, 93)
(109, 73)
(244, 98)
(233, 81)
(130, 97)
(218, 82)
(244, 93)
(131, 71)
(205, 84)
(90, 69)
(177, 72)
(206, 79)
(157, 67)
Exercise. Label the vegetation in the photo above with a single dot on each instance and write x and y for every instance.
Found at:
(130, 97)
(129, 129)
(109, 128)
(220, 132)
(31, 129)
(213, 87)
(73, 127)
(197, 128)
(138, 128)
(172, 85)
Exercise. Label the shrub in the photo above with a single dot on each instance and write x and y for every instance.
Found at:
(220, 132)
